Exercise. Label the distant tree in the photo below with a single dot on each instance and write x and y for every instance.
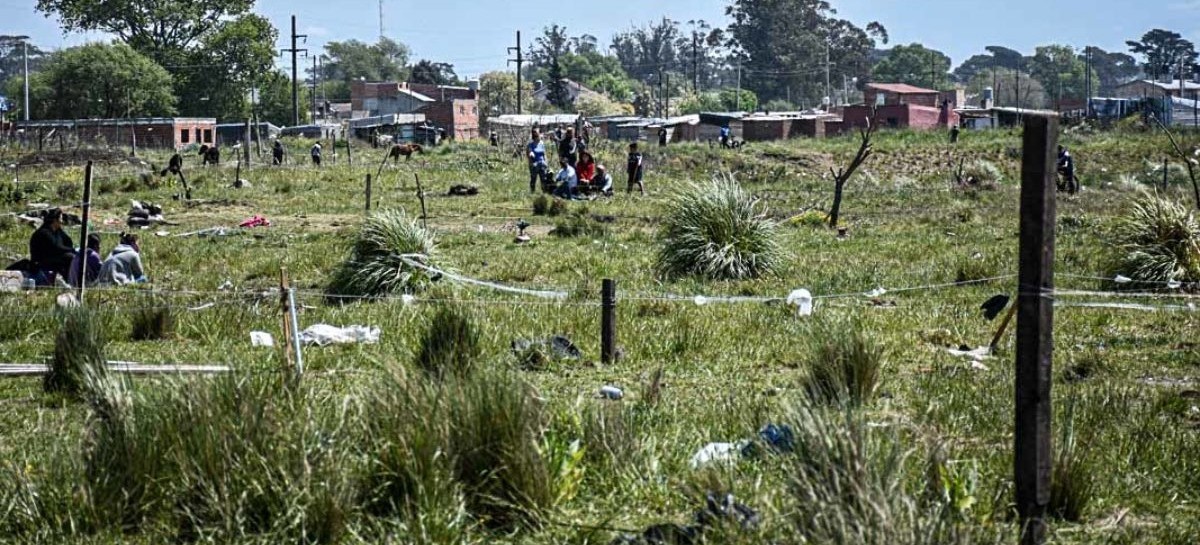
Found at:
(352, 60)
(161, 29)
(120, 82)
(498, 95)
(12, 58)
(703, 102)
(231, 60)
(433, 73)
(914, 64)
(1032, 94)
(645, 51)
(275, 99)
(616, 87)
(747, 101)
(557, 94)
(1111, 69)
(1162, 51)
(974, 65)
(1061, 72)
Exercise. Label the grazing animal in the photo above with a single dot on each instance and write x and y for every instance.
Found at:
(174, 166)
(210, 156)
(407, 150)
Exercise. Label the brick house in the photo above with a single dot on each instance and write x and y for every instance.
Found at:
(149, 132)
(449, 107)
(900, 105)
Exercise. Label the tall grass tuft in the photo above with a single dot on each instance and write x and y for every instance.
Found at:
(1158, 240)
(1072, 483)
(78, 354)
(450, 345)
(843, 362)
(717, 230)
(376, 266)
(153, 323)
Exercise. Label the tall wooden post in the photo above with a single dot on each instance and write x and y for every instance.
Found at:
(246, 144)
(608, 321)
(83, 227)
(368, 192)
(1032, 454)
(285, 306)
(349, 157)
(421, 197)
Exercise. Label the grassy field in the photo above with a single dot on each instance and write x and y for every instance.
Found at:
(925, 459)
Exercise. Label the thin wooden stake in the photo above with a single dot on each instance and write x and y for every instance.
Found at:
(83, 228)
(1032, 453)
(287, 329)
(1008, 316)
(349, 157)
(421, 197)
(368, 192)
(608, 321)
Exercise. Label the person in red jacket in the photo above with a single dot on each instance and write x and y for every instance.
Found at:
(585, 169)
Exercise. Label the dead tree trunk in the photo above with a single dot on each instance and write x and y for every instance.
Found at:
(1188, 161)
(842, 176)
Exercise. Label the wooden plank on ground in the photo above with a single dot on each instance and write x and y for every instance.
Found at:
(125, 367)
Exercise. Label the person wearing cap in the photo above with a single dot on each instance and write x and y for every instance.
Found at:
(81, 275)
(603, 180)
(51, 249)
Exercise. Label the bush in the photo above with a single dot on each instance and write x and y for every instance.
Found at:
(843, 362)
(153, 323)
(810, 218)
(1158, 240)
(716, 230)
(450, 345)
(984, 172)
(579, 224)
(78, 354)
(541, 204)
(548, 206)
(376, 266)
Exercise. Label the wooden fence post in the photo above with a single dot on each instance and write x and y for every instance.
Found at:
(83, 228)
(421, 197)
(1032, 452)
(349, 156)
(284, 288)
(1166, 174)
(368, 192)
(608, 321)
(246, 144)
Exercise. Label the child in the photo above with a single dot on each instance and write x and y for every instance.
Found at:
(635, 169)
(91, 256)
(124, 264)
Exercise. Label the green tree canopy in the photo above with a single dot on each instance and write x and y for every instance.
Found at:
(1032, 94)
(645, 51)
(100, 80)
(1163, 51)
(1061, 72)
(385, 60)
(12, 57)
(275, 99)
(914, 64)
(433, 73)
(236, 57)
(1112, 69)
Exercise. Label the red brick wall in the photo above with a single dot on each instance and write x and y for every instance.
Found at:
(890, 99)
(151, 135)
(811, 128)
(899, 116)
(436, 93)
(459, 117)
(759, 131)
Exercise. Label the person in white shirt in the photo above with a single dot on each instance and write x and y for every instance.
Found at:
(567, 180)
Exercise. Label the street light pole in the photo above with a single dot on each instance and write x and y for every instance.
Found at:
(25, 54)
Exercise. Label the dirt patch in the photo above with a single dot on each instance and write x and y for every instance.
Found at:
(55, 158)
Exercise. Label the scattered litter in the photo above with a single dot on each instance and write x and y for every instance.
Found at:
(241, 183)
(11, 281)
(255, 221)
(979, 366)
(1174, 284)
(557, 346)
(325, 334)
(111, 222)
(1122, 279)
(719, 510)
(700, 300)
(225, 285)
(144, 214)
(779, 438)
(162, 233)
(407, 299)
(803, 301)
(202, 307)
(877, 292)
(521, 239)
(66, 300)
(261, 338)
(718, 452)
(977, 354)
(992, 307)
(611, 392)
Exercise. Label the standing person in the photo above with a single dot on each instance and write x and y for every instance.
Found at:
(315, 152)
(585, 169)
(635, 168)
(568, 148)
(494, 140)
(51, 249)
(91, 256)
(954, 134)
(277, 153)
(124, 263)
(558, 135)
(567, 180)
(536, 152)
(1066, 169)
(725, 136)
(662, 137)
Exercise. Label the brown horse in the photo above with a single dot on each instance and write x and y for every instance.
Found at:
(407, 150)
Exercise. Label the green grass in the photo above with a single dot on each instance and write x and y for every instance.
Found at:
(367, 449)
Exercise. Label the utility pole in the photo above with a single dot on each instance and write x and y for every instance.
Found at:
(314, 88)
(695, 62)
(520, 62)
(380, 21)
(738, 98)
(295, 72)
(828, 92)
(660, 91)
(667, 97)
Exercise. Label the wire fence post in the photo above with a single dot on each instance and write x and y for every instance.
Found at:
(368, 192)
(285, 307)
(349, 156)
(83, 228)
(608, 321)
(295, 319)
(1032, 455)
(421, 197)
(1166, 174)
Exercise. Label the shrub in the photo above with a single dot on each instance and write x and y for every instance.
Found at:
(1158, 240)
(984, 172)
(376, 266)
(810, 218)
(548, 206)
(843, 362)
(716, 230)
(450, 345)
(579, 224)
(541, 204)
(152, 323)
(78, 354)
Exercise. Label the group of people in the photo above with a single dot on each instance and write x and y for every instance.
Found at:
(54, 260)
(277, 153)
(578, 168)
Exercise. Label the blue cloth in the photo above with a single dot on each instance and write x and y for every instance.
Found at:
(538, 153)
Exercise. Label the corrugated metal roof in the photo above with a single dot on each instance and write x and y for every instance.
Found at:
(415, 95)
(386, 120)
(529, 120)
(900, 88)
(1172, 85)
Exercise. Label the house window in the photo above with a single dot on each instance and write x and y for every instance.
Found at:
(183, 136)
(198, 139)
(207, 136)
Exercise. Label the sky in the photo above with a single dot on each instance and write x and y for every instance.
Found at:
(473, 34)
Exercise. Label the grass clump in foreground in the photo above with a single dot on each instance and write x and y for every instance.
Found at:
(716, 230)
(78, 354)
(843, 362)
(1158, 240)
(376, 266)
(450, 345)
(156, 322)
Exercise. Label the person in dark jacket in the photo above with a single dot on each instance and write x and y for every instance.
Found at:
(51, 249)
(277, 153)
(568, 147)
(1066, 169)
(89, 255)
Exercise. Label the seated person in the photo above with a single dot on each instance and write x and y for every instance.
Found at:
(567, 180)
(51, 250)
(90, 256)
(585, 169)
(603, 180)
(124, 264)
